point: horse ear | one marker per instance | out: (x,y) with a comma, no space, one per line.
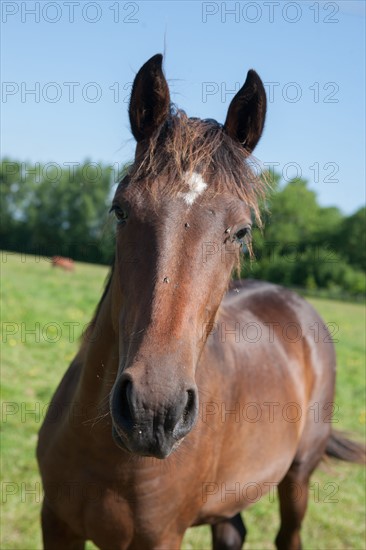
(247,112)
(150,99)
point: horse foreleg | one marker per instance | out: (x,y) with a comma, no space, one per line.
(229,534)
(57,535)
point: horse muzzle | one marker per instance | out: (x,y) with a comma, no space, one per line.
(149,422)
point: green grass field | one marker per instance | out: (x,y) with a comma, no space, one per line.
(38,343)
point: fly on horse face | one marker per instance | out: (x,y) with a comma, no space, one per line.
(173,413)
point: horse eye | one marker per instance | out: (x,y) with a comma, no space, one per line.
(121,214)
(242,234)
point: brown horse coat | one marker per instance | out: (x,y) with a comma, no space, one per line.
(186,403)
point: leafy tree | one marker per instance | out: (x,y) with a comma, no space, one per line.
(308,246)
(351,239)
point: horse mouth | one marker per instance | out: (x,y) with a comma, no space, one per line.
(151,450)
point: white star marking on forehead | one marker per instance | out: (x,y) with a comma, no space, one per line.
(196,186)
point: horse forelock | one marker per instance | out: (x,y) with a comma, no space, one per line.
(184,147)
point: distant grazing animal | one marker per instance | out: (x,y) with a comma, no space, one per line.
(64,263)
(188,401)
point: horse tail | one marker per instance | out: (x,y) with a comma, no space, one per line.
(339,446)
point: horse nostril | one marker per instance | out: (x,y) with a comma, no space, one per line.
(190,406)
(188,417)
(125,415)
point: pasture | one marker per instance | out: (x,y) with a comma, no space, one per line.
(44,313)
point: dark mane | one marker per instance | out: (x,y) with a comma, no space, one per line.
(186,145)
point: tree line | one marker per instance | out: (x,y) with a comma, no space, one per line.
(50,210)
(306,245)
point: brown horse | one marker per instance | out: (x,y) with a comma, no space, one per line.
(67,264)
(129,457)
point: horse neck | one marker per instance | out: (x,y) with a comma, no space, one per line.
(99,353)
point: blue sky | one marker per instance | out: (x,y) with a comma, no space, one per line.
(309,54)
